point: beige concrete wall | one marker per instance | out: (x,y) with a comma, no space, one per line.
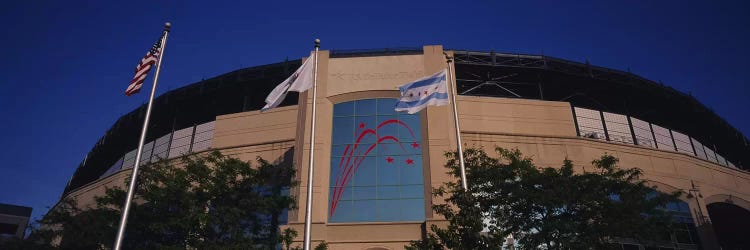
(254,127)
(516,116)
(84,196)
(348,75)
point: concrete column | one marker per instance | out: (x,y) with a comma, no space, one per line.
(703,225)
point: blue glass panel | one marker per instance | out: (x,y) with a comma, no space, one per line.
(412,209)
(411,132)
(411,173)
(388,210)
(284,217)
(336,180)
(412,148)
(335,172)
(381,181)
(386,106)
(344,212)
(345,193)
(389,149)
(412,191)
(364,210)
(343,109)
(673,206)
(614,197)
(341,168)
(344,127)
(363,175)
(339,150)
(388,174)
(684,207)
(365,129)
(364,107)
(364,193)
(387,129)
(388,192)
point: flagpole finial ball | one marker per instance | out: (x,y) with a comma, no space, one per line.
(167,25)
(317,42)
(448,57)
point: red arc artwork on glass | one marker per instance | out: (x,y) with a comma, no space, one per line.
(350,162)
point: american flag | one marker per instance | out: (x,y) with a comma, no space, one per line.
(143,67)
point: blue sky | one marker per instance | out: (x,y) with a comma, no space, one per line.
(66,63)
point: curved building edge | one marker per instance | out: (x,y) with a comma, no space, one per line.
(548,131)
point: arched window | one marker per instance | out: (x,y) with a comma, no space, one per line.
(376,164)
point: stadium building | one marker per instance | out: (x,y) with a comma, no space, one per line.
(374,193)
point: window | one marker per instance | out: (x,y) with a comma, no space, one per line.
(376,164)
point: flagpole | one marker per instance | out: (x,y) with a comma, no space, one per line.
(134,175)
(451,85)
(309,201)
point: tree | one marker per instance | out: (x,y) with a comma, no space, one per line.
(208,201)
(545,208)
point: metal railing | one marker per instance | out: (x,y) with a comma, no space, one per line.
(595,124)
(178,143)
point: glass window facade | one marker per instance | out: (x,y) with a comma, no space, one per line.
(684,234)
(376,164)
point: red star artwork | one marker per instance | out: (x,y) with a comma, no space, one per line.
(409,162)
(361,125)
(389,159)
(415,145)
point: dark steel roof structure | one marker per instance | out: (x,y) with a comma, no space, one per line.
(477,73)
(15,210)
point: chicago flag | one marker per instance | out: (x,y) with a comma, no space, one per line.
(419,94)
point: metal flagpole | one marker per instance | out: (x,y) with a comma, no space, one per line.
(309,201)
(451,85)
(134,176)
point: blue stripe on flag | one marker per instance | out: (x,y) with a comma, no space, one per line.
(425,82)
(436,95)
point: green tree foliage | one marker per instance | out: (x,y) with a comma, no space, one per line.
(287,239)
(209,201)
(545,208)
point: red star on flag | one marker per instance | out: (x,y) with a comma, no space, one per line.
(361,125)
(409,162)
(415,145)
(389,159)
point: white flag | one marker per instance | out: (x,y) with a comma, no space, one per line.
(299,81)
